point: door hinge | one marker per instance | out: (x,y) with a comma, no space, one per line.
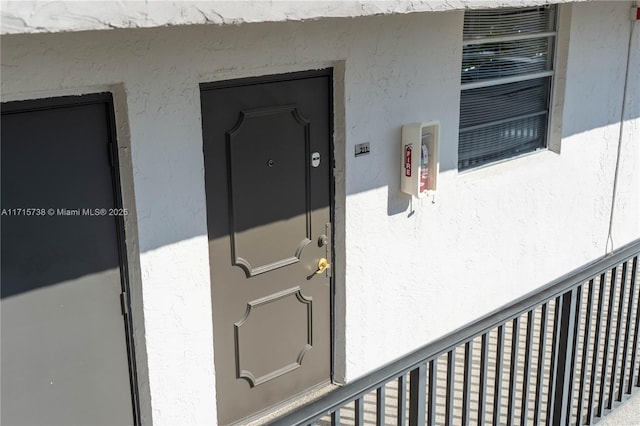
(112,154)
(124,304)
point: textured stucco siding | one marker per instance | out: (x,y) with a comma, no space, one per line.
(407,271)
(22,16)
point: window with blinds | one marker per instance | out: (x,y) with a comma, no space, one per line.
(507,67)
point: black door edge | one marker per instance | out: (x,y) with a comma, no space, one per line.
(271,78)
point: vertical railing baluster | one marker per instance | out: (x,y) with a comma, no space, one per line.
(335,417)
(616,342)
(591,411)
(451,367)
(526,380)
(607,336)
(564,362)
(402,400)
(497,395)
(555,350)
(627,330)
(359,411)
(636,333)
(574,349)
(417,395)
(585,354)
(540,369)
(482,391)
(466,385)
(635,342)
(433,384)
(380,405)
(513,371)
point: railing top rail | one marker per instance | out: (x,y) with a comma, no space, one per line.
(373,380)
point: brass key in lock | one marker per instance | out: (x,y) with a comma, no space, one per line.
(323,264)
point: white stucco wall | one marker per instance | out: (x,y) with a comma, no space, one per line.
(404,278)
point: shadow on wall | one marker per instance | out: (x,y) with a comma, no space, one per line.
(59,220)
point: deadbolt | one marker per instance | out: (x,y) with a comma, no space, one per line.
(315,159)
(322,240)
(323,264)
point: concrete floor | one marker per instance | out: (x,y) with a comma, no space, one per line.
(627,414)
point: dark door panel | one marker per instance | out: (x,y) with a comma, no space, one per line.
(64,348)
(268,205)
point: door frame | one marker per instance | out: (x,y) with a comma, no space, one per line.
(325,71)
(105,99)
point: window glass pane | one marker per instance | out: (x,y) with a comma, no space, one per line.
(495,60)
(502,22)
(499,120)
(494,103)
(500,141)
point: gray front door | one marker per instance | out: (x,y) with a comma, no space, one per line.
(64,345)
(267,149)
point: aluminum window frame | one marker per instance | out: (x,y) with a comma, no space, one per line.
(558,18)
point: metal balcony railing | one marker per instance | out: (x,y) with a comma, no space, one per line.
(565,354)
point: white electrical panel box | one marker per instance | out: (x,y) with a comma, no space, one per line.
(420,164)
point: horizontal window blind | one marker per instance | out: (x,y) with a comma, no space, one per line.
(498,141)
(506,75)
(493,60)
(499,22)
(488,104)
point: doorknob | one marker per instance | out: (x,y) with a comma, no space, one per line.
(323,264)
